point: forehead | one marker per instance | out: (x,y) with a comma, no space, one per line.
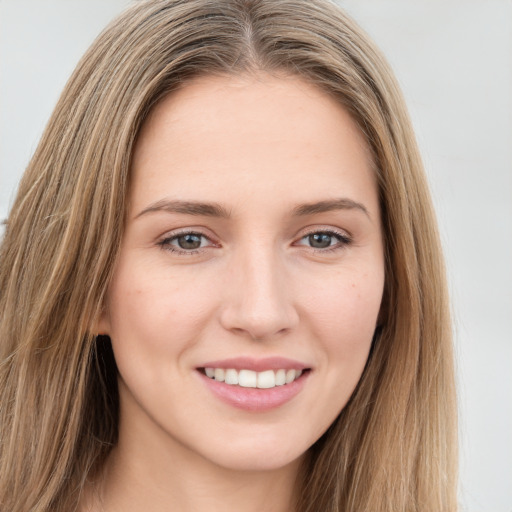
(255,132)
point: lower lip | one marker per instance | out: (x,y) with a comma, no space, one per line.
(255,399)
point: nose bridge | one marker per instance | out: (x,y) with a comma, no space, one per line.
(260,301)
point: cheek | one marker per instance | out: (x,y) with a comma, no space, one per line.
(346,308)
(148,309)
(341,321)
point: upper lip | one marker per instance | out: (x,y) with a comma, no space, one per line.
(257,365)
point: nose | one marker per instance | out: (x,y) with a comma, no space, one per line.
(258,296)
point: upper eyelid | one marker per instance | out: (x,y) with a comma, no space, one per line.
(301,234)
(342,239)
(178,235)
(185,231)
(325,229)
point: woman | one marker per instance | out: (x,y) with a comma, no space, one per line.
(221,281)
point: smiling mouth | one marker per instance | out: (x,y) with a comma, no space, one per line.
(252,379)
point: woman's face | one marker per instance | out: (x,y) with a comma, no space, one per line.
(253,252)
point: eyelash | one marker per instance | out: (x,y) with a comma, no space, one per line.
(165,243)
(344,240)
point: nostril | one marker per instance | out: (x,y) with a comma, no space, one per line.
(259,328)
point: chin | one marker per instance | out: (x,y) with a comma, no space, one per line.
(258,462)
(257,455)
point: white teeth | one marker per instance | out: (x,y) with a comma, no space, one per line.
(251,379)
(231,377)
(267,379)
(280,377)
(290,376)
(247,379)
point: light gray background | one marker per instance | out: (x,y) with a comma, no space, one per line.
(453,59)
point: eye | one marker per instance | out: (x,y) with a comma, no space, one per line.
(188,242)
(325,240)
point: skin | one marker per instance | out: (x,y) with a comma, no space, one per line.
(259,286)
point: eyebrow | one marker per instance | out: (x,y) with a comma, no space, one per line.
(329,205)
(216,210)
(187,208)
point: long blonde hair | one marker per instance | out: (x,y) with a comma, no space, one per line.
(393,448)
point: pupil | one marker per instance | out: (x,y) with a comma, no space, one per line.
(189,241)
(320,240)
